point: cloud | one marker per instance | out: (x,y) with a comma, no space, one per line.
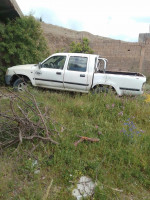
(48,16)
(116,19)
(142,19)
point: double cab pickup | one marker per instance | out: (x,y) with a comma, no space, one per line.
(75,72)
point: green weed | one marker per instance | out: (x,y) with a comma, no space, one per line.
(118,163)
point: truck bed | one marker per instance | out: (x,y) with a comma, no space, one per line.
(122,73)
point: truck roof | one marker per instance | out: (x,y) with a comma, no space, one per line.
(76,54)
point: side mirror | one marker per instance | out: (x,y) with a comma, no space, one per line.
(40,65)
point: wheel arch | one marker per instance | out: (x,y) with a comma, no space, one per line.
(17,76)
(114,88)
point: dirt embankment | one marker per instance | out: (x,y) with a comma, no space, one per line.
(60,38)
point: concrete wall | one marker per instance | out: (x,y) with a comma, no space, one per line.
(125,56)
(121,56)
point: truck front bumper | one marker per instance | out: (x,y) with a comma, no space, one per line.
(7,79)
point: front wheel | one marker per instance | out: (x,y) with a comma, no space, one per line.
(20,85)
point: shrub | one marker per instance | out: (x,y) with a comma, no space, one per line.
(21,42)
(81,47)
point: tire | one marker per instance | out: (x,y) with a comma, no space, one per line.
(97,90)
(103,89)
(20,85)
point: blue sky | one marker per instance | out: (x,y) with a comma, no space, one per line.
(121,20)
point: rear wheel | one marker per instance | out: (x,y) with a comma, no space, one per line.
(103,89)
(20,85)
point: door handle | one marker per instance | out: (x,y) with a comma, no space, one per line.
(82,75)
(59,73)
(38,73)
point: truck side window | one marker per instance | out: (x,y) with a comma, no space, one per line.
(77,63)
(55,62)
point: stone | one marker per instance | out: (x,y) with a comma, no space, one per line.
(85,188)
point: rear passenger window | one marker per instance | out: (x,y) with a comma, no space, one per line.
(77,63)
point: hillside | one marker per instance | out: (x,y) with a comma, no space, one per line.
(59,37)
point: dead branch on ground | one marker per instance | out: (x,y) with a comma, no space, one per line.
(23,120)
(83,138)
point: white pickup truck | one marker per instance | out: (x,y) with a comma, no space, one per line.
(75,72)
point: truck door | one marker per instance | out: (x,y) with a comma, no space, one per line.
(51,72)
(76,73)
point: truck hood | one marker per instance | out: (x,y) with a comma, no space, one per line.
(22,67)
